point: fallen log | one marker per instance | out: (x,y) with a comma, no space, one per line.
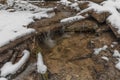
(16,42)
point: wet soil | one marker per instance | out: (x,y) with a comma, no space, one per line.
(73,59)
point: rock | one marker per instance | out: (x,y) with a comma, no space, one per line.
(97,1)
(63,8)
(114,30)
(100,17)
(5,57)
(103,28)
(84,25)
(2,1)
(68,77)
(83,5)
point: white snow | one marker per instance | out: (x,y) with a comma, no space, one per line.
(41,67)
(98,50)
(3,6)
(113,44)
(75,6)
(105,58)
(10,2)
(117,56)
(72,19)
(3,79)
(118,65)
(13,25)
(65,2)
(9,68)
(116,53)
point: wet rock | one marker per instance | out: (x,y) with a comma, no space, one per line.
(114,30)
(103,28)
(46,4)
(84,25)
(2,1)
(83,5)
(4,57)
(100,17)
(51,28)
(97,1)
(63,8)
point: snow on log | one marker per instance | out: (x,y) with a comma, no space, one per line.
(9,68)
(72,19)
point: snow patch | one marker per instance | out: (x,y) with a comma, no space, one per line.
(105,58)
(10,3)
(117,56)
(72,19)
(41,67)
(118,65)
(113,44)
(116,53)
(98,50)
(65,2)
(75,6)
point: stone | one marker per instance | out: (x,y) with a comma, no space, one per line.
(2,1)
(100,17)
(83,5)
(84,25)
(97,1)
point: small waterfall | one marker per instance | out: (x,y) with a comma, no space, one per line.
(48,40)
